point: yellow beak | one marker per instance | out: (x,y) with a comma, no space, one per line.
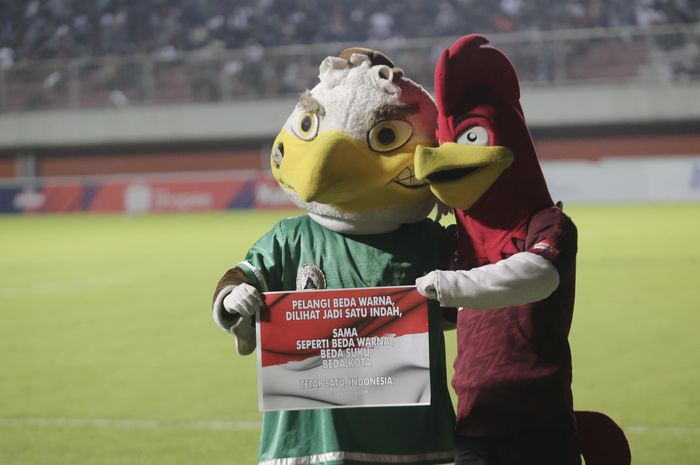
(335,168)
(460,174)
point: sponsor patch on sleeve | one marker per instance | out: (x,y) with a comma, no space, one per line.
(546,246)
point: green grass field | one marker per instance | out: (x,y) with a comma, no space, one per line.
(108,354)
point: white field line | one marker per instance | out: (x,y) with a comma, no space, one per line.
(132,424)
(677,430)
(245,425)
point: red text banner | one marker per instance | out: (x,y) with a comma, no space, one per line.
(343,348)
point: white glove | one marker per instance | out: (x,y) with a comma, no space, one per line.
(234,310)
(244,300)
(427,285)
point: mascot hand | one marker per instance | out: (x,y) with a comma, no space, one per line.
(244,332)
(243,300)
(427,285)
(234,311)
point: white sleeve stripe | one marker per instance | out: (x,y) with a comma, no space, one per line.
(256,272)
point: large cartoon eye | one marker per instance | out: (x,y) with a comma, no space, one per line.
(475,135)
(389,135)
(306,126)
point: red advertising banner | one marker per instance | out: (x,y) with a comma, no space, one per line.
(138,194)
(343,348)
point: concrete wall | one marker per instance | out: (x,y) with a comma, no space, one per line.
(545,107)
(623,180)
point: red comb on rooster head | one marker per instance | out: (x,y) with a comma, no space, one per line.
(471,63)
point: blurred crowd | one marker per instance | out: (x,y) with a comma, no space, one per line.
(44,29)
(149,37)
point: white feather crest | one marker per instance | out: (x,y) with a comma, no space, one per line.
(333,71)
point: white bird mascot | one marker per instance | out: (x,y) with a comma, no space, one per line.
(345,155)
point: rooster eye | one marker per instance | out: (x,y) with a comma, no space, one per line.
(306,126)
(386,136)
(475,135)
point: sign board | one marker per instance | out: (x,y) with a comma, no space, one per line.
(339,348)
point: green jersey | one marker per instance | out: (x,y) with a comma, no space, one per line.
(298,253)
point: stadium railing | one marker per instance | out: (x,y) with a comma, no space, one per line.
(661,54)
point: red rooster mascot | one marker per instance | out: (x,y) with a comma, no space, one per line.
(514,272)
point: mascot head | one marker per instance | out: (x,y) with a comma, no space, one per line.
(486,164)
(346,152)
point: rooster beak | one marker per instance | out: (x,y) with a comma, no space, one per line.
(460,174)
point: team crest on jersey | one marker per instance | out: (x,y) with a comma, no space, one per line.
(310,277)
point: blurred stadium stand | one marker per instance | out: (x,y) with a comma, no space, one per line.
(112,87)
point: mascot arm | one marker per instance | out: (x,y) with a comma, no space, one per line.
(520,279)
(236,301)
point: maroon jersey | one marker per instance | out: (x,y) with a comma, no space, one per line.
(513,365)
